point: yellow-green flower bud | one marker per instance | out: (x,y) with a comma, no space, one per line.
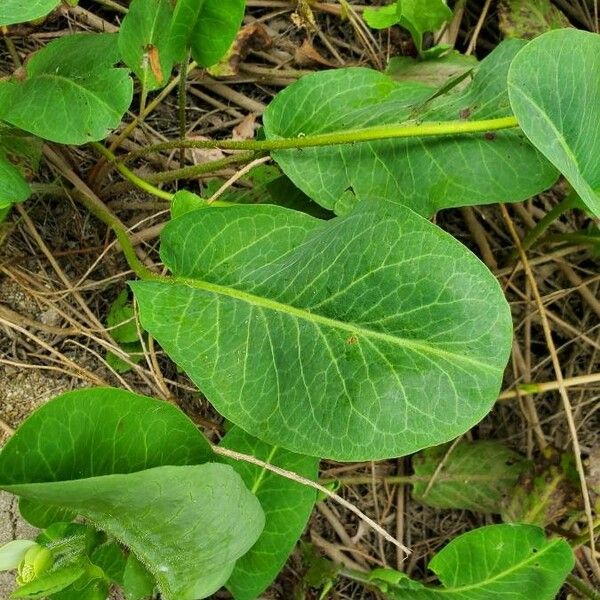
(37,561)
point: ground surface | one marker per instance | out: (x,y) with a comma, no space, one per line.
(55,293)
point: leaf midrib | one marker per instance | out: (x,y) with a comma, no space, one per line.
(351,328)
(520,565)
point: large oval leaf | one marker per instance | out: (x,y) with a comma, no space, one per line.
(499,561)
(554,86)
(131,466)
(363,337)
(426,174)
(72,94)
(20,11)
(287,506)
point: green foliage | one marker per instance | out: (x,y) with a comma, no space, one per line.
(99,453)
(426,174)
(478,476)
(433,72)
(13,187)
(499,561)
(418,16)
(144,41)
(72,94)
(554,86)
(20,11)
(137,582)
(333,332)
(123,328)
(287,506)
(527,19)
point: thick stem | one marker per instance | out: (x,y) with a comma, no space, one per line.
(583,588)
(351,136)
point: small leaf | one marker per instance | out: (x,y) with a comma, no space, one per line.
(144,41)
(417,16)
(89,589)
(13,187)
(382,17)
(137,582)
(19,11)
(554,87)
(121,320)
(12,554)
(527,19)
(287,506)
(425,174)
(72,94)
(331,338)
(499,561)
(110,557)
(477,476)
(215,30)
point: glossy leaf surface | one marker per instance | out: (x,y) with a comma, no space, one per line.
(554,85)
(287,506)
(363,337)
(426,174)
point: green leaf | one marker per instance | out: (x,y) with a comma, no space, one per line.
(144,41)
(554,86)
(121,320)
(382,17)
(21,11)
(215,30)
(12,554)
(499,561)
(110,557)
(42,516)
(65,455)
(477,476)
(50,583)
(363,337)
(71,94)
(418,16)
(287,506)
(426,174)
(137,582)
(185,17)
(527,19)
(87,433)
(433,72)
(157,514)
(89,589)
(184,202)
(13,187)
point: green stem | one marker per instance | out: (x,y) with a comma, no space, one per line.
(351,136)
(102,212)
(583,588)
(202,169)
(533,235)
(182,98)
(130,175)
